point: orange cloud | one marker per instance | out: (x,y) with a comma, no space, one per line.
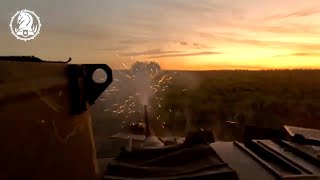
(305,54)
(300,13)
(186,54)
(149,52)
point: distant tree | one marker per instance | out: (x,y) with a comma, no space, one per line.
(148,67)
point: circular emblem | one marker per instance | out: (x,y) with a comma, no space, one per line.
(25,25)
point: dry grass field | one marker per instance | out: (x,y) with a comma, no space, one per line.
(210,98)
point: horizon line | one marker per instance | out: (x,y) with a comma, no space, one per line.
(270,69)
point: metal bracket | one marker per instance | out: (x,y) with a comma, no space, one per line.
(83,89)
(92,89)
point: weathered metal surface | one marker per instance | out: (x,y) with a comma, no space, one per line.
(256,159)
(267,160)
(40,136)
(306,132)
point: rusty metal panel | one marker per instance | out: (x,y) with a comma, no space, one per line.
(44,134)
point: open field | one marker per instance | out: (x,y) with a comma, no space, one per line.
(210,98)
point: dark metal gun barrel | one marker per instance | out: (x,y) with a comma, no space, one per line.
(147,123)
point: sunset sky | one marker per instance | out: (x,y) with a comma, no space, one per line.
(178,34)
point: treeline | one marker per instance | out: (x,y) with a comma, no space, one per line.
(244,97)
(208,99)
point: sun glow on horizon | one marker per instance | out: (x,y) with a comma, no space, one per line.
(181,35)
